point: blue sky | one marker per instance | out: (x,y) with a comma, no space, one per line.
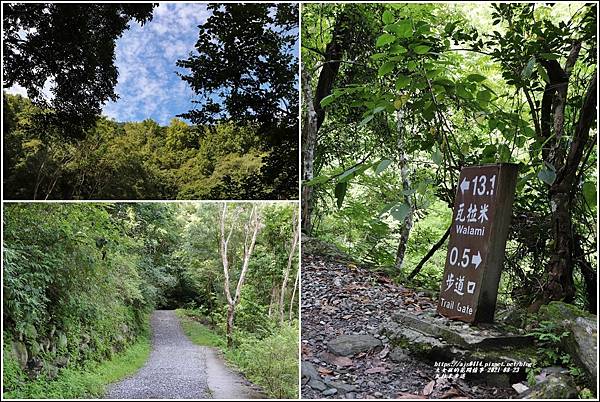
(148,86)
(145,57)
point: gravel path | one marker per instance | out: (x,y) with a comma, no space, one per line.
(179,369)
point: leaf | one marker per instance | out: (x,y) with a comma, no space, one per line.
(382,166)
(407,395)
(325,371)
(386,68)
(398,49)
(462,91)
(400,211)
(327,100)
(526,73)
(402,82)
(404,29)
(542,72)
(589,193)
(550,56)
(476,78)
(378,56)
(340,192)
(342,361)
(421,49)
(428,389)
(388,17)
(385,39)
(365,120)
(484,96)
(346,175)
(547,174)
(437,157)
(401,101)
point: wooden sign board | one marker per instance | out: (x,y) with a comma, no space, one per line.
(480,223)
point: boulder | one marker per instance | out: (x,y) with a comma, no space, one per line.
(582,345)
(555,386)
(347,345)
(19,351)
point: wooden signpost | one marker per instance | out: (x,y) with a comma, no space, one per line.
(480,223)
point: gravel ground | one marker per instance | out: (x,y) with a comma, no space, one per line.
(176,368)
(341,298)
(179,369)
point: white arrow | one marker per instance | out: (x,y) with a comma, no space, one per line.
(465,185)
(476,260)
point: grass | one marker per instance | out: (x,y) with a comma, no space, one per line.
(86,382)
(199,333)
(271,362)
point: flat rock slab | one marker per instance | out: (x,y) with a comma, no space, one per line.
(348,345)
(463,335)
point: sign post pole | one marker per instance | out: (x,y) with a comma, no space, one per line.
(480,223)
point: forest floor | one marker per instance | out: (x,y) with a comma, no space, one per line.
(179,369)
(341,298)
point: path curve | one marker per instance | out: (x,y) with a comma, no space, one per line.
(179,369)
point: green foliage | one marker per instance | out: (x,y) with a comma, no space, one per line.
(254,45)
(549,335)
(135,160)
(271,362)
(89,381)
(49,42)
(269,359)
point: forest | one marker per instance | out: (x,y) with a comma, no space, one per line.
(398,98)
(81,279)
(238,140)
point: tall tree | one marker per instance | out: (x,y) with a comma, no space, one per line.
(68,49)
(288,268)
(251,230)
(246,71)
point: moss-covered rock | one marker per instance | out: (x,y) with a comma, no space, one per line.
(559,386)
(560,311)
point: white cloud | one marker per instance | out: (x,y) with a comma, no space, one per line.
(145,56)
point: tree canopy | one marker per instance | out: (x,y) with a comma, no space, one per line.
(399,97)
(50,47)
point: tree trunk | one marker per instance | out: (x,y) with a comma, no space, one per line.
(309,139)
(315,115)
(286,272)
(405,177)
(250,234)
(230,317)
(294,294)
(560,284)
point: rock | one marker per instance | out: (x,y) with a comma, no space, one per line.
(397,355)
(19,351)
(517,317)
(347,345)
(520,388)
(61,361)
(582,345)
(309,371)
(330,391)
(560,311)
(556,386)
(51,372)
(317,385)
(343,388)
(377,394)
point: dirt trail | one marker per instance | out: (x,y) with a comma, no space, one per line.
(179,369)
